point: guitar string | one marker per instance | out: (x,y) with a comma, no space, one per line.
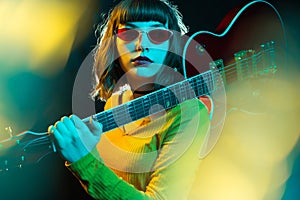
(178,90)
(46,139)
(37,141)
(268,51)
(113,124)
(243,67)
(230,69)
(258,57)
(120,112)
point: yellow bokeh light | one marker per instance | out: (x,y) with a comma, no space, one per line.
(38,35)
(250,160)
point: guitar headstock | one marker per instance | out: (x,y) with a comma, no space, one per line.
(24,148)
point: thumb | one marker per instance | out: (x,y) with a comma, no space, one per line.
(95,127)
(79,124)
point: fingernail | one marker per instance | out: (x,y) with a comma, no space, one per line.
(51,129)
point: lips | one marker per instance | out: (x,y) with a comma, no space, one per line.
(141,60)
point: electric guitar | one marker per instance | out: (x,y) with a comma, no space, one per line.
(247,46)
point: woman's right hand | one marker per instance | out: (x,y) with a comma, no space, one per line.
(73,138)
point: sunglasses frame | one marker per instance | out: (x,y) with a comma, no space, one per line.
(147,33)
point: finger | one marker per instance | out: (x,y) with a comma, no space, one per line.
(69,124)
(95,127)
(60,126)
(78,123)
(59,140)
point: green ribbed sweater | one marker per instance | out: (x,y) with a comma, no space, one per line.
(156,160)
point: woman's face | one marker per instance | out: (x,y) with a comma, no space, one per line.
(142,47)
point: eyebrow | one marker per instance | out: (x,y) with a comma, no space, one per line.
(134,26)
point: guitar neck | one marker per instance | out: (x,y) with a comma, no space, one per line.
(168,97)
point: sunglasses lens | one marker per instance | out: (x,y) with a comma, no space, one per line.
(158,36)
(127,34)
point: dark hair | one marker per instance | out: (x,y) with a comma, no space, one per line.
(107,69)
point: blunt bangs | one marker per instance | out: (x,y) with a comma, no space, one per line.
(143,10)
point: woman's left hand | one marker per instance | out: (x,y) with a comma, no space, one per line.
(73,138)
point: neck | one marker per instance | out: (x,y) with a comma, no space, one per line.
(145,89)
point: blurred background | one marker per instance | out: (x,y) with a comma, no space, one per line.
(42,46)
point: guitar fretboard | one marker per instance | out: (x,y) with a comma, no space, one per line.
(163,99)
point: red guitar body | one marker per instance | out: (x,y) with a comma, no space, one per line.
(244,28)
(248,49)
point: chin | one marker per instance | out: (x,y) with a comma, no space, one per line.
(146,73)
(145,76)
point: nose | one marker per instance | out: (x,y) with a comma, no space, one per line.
(143,42)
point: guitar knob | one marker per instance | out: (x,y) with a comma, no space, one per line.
(200,49)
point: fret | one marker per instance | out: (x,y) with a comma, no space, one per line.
(163,99)
(151,99)
(159,97)
(167,97)
(247,62)
(200,88)
(146,104)
(201,85)
(194,86)
(156,98)
(189,90)
(131,110)
(183,91)
(120,115)
(211,80)
(177,92)
(169,92)
(110,122)
(174,99)
(101,117)
(139,109)
(205,84)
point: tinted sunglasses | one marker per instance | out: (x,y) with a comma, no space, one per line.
(156,36)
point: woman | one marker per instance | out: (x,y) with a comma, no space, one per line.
(155,157)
